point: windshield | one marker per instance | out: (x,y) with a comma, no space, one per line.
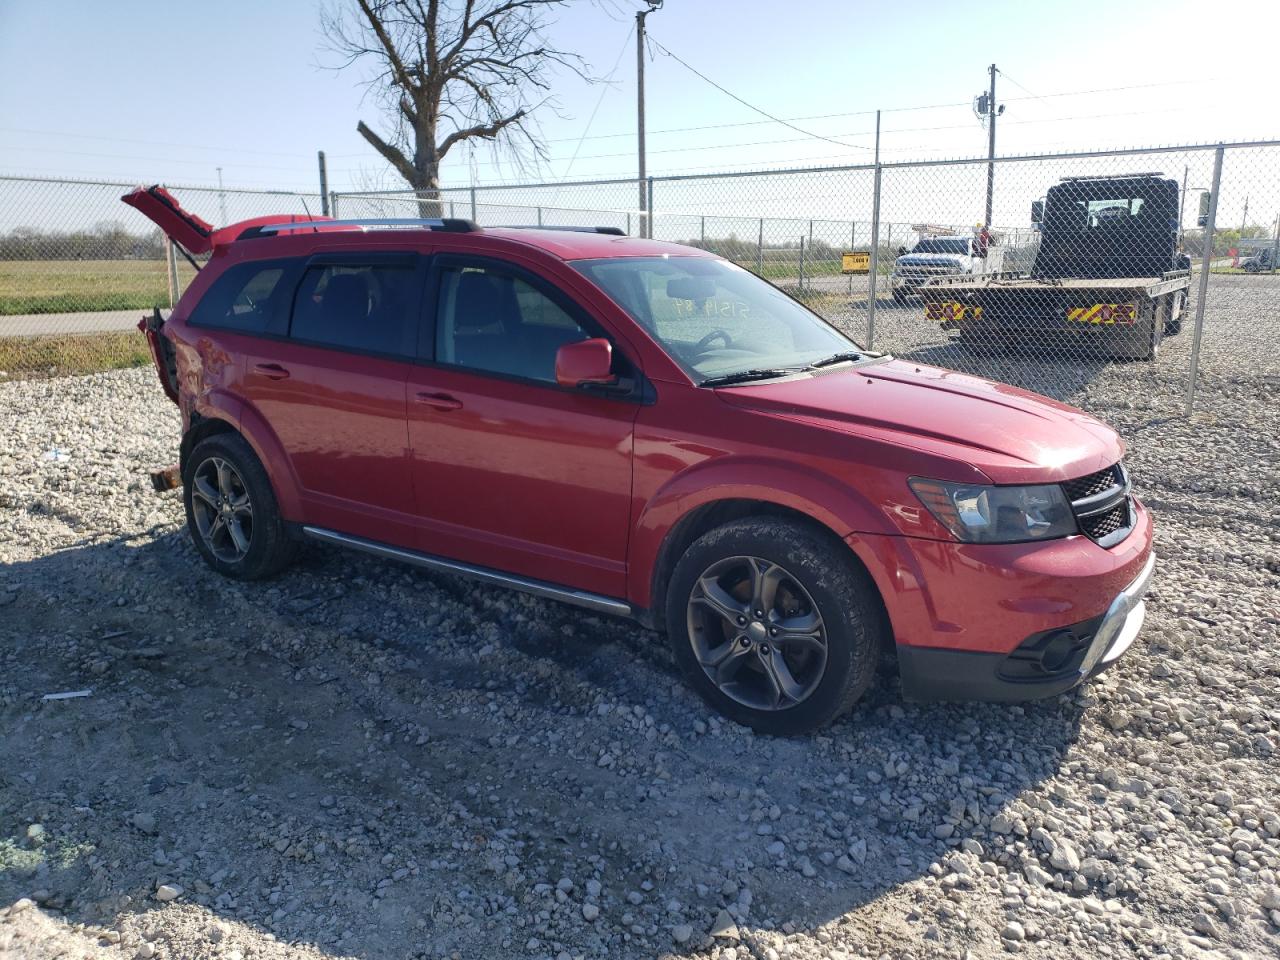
(958,245)
(714,318)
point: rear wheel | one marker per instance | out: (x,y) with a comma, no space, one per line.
(774,624)
(232,512)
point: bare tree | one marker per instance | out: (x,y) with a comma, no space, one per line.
(450,72)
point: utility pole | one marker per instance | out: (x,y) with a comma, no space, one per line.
(646,228)
(222,199)
(324,186)
(992,111)
(1244,220)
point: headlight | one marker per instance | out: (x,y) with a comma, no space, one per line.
(985,514)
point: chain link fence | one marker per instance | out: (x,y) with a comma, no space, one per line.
(78,268)
(1091,261)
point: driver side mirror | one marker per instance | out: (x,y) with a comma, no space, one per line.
(902,251)
(584,362)
(1037,211)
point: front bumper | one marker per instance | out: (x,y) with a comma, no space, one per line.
(1045,664)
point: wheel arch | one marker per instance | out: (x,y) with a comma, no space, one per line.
(716,513)
(211,420)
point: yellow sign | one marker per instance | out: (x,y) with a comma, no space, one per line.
(857,262)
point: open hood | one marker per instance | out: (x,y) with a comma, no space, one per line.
(192,233)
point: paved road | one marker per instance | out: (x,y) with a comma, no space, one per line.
(43,324)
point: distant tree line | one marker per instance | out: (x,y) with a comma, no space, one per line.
(1224,240)
(104,241)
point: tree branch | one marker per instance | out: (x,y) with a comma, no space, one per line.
(485,131)
(393,155)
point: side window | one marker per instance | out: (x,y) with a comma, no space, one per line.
(244,298)
(491,320)
(357,307)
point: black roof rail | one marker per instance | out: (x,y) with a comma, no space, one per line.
(445,224)
(610,231)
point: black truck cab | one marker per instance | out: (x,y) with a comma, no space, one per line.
(1105,227)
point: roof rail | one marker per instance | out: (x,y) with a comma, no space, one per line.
(446,224)
(609,231)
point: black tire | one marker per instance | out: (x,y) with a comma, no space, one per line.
(844,598)
(269,548)
(900,295)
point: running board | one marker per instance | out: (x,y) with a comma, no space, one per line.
(539,588)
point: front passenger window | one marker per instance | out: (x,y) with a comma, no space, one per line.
(492,321)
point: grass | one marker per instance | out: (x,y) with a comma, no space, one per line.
(73,286)
(70,354)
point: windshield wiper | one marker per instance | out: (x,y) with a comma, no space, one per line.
(743,376)
(836,358)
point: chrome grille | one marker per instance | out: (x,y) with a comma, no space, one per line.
(1102,504)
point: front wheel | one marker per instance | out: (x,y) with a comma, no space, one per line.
(774,624)
(232,512)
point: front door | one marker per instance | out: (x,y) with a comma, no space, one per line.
(510,470)
(334,392)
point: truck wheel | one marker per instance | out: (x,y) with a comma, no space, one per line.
(232,511)
(900,295)
(773,624)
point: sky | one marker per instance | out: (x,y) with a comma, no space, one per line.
(136,91)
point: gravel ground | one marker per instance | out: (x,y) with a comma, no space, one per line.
(359,759)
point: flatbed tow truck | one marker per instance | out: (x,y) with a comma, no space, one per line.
(1107,275)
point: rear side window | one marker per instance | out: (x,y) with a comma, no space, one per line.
(244,298)
(361,307)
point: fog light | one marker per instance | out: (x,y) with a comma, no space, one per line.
(1057,652)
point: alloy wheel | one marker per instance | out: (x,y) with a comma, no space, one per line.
(757,633)
(222,509)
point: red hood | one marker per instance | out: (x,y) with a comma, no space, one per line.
(1009,434)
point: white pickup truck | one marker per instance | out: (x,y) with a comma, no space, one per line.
(933,257)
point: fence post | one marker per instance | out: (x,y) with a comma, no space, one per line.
(473,205)
(760,250)
(171,267)
(333,204)
(802,263)
(539,216)
(875,259)
(1206,257)
(649,234)
(1275,245)
(704,231)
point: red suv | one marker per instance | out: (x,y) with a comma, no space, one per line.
(646,430)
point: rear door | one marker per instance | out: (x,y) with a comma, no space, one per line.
(510,470)
(333,390)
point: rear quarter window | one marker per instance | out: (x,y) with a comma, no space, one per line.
(244,298)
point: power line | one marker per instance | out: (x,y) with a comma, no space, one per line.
(148,143)
(599,100)
(751,106)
